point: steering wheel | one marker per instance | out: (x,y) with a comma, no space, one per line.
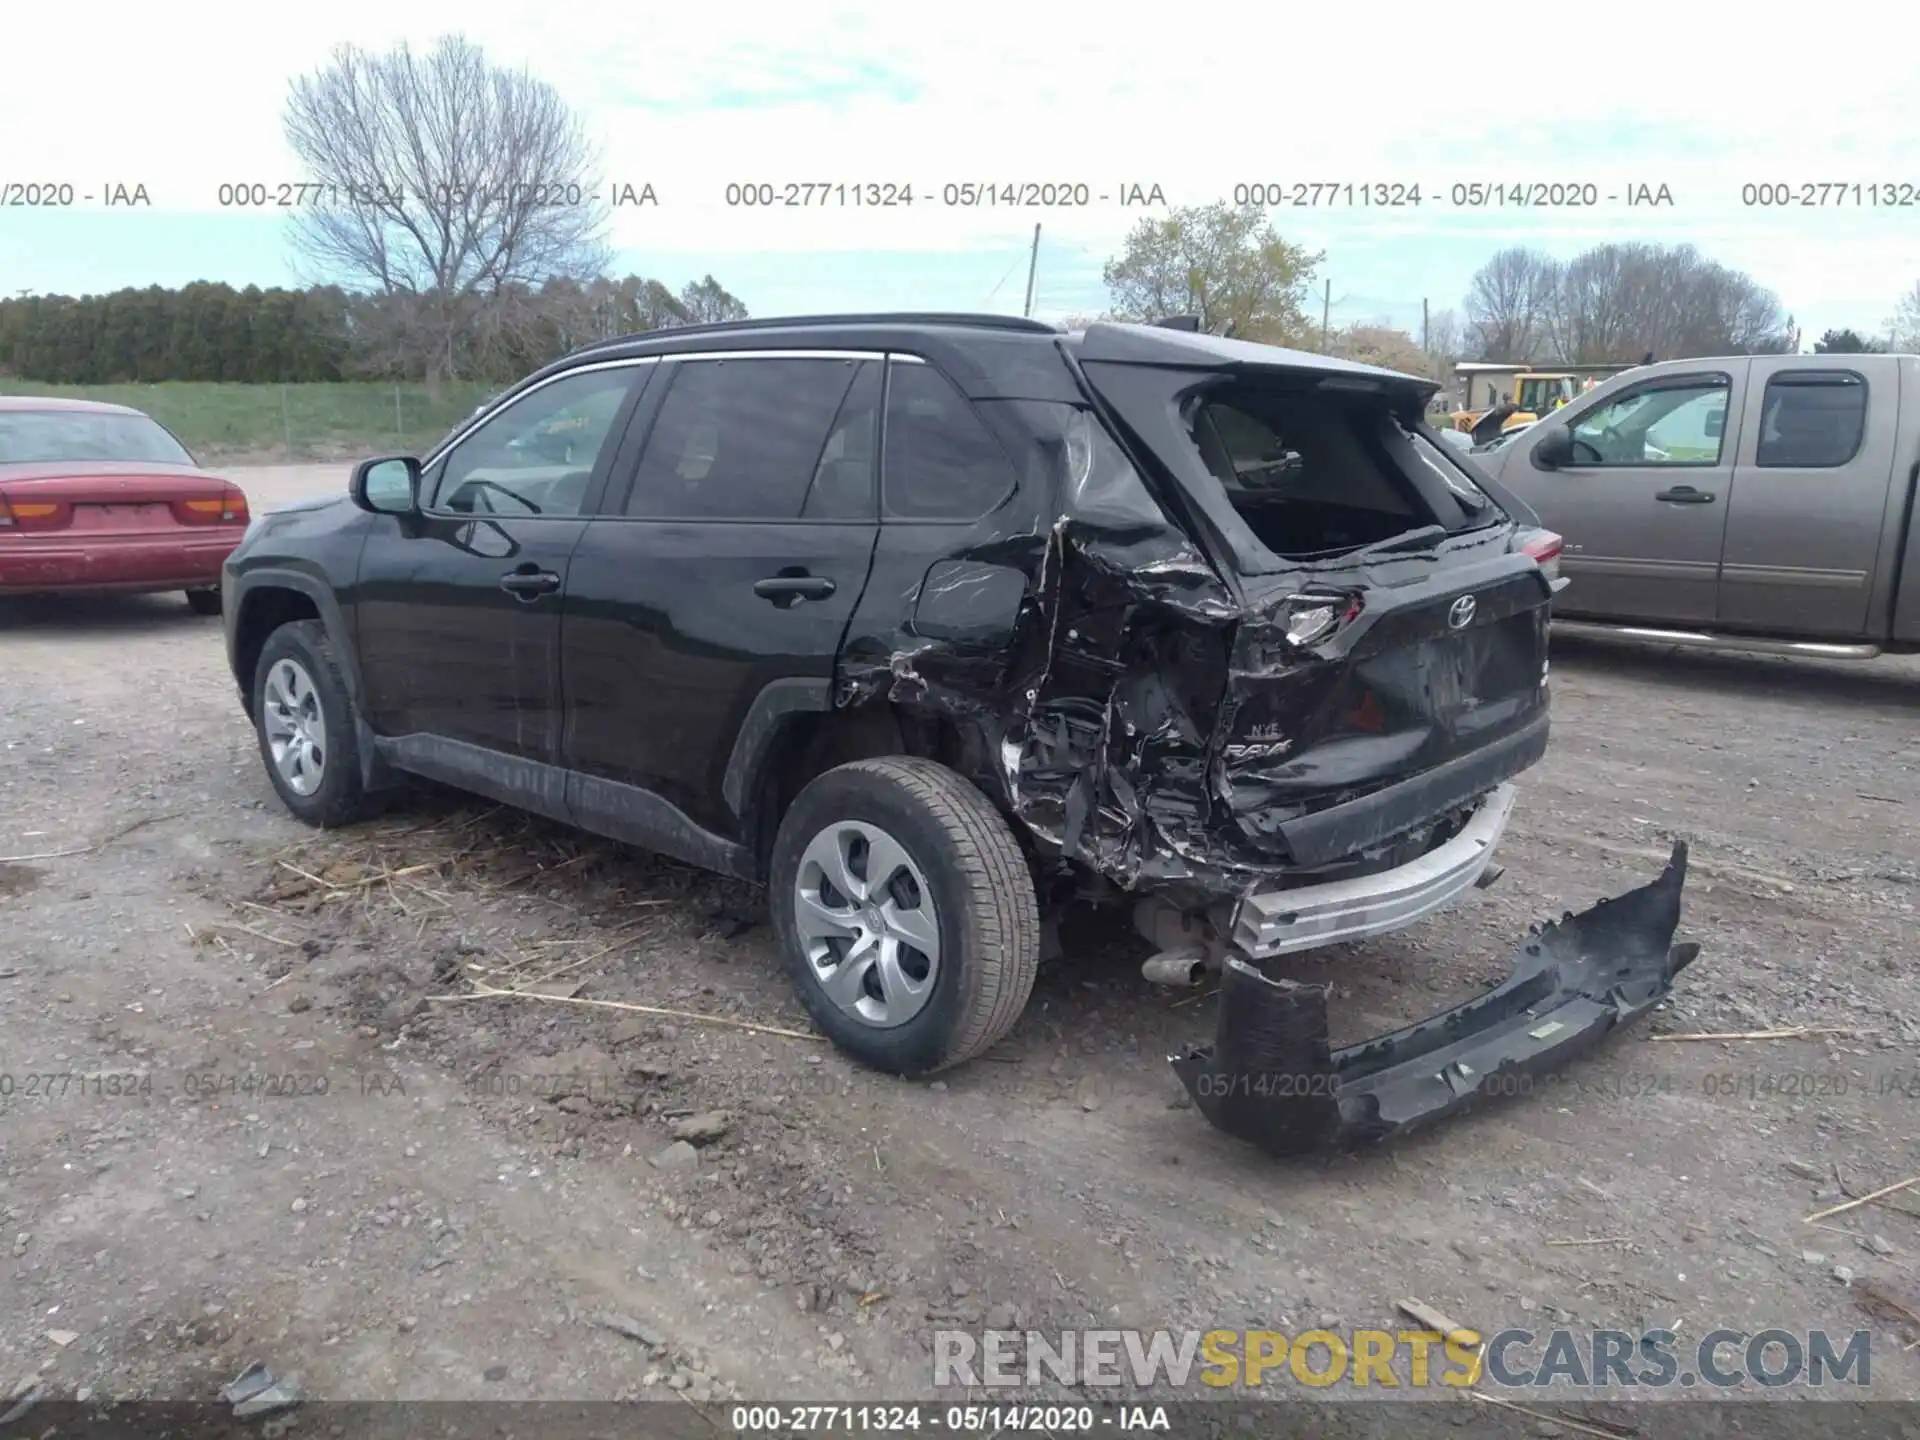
(513,495)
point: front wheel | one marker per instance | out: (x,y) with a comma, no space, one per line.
(304,718)
(906,913)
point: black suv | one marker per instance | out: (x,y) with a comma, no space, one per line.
(932,623)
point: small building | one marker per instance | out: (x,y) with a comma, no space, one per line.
(1483,384)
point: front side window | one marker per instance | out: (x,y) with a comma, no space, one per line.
(537,456)
(1679,423)
(1812,420)
(45,436)
(745,439)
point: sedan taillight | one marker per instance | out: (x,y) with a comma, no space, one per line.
(228,509)
(19,515)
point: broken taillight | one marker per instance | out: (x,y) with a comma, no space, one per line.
(1311,618)
(1544,546)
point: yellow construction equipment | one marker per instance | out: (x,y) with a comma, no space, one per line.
(1535,393)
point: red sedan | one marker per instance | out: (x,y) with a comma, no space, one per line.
(97,498)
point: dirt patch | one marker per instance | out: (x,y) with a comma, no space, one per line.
(329,1149)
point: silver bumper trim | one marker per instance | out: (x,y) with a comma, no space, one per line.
(1280,922)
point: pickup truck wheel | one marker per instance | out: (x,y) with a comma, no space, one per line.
(906,913)
(305,724)
(204,602)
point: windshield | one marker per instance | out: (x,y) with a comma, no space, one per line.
(39,436)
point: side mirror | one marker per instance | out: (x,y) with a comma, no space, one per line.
(1555,449)
(1716,424)
(387,486)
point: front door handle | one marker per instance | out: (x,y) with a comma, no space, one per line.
(786,591)
(529,584)
(1685,495)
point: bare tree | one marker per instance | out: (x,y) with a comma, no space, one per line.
(1617,302)
(1445,341)
(1509,304)
(444,179)
(1905,324)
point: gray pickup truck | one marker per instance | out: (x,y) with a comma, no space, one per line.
(1750,503)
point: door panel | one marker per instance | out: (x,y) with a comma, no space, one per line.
(445,649)
(1642,507)
(742,540)
(1809,497)
(457,609)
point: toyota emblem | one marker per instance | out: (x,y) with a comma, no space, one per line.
(1460,613)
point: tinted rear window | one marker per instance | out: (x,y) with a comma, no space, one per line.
(739,439)
(52,436)
(1812,419)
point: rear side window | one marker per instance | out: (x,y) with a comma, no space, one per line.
(739,439)
(845,477)
(941,463)
(1812,419)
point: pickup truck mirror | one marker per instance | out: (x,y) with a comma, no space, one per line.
(387,486)
(1716,424)
(1555,448)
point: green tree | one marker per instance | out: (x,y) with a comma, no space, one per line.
(707,302)
(1225,264)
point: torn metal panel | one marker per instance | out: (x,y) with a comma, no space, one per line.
(1272,1078)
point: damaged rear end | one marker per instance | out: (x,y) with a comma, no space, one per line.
(1289,656)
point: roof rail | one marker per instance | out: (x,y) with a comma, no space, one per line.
(790,322)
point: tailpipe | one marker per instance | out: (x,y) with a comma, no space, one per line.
(1177,969)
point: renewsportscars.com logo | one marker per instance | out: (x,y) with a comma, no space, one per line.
(1722,1359)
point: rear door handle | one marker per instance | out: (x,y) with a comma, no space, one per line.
(530,584)
(786,591)
(1685,495)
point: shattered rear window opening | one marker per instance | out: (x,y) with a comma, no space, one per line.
(1314,477)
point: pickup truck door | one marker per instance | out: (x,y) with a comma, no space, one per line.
(1807,507)
(1642,505)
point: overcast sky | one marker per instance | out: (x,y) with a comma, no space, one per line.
(1193,99)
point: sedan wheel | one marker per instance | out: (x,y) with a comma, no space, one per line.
(295,728)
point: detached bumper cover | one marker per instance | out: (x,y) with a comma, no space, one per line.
(1271,1077)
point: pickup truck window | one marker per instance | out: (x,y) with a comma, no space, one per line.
(1812,420)
(1672,423)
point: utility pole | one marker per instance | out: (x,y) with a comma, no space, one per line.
(1033,265)
(1326,311)
(1426,328)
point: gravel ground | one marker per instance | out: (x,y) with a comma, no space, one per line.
(285,1148)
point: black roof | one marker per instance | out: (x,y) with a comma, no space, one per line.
(995,355)
(941,318)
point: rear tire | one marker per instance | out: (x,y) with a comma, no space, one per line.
(204,602)
(305,723)
(936,958)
